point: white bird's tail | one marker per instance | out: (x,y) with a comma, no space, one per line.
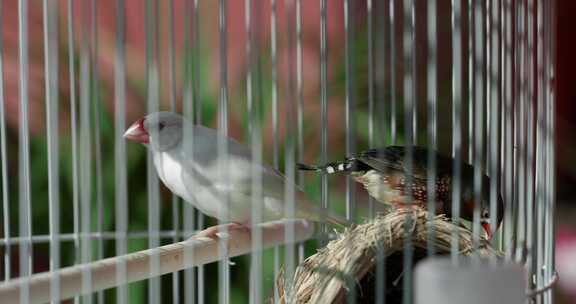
(337,220)
(308,211)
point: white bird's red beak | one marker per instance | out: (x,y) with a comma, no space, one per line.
(137,133)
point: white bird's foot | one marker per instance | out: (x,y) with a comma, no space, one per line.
(239,227)
(210,232)
(215,232)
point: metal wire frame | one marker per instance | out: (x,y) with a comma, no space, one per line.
(384,63)
(51,82)
(85,171)
(456,119)
(409,84)
(508,84)
(192,109)
(120,173)
(290,141)
(24,203)
(151,18)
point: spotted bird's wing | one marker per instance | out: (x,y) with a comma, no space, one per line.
(392,159)
(389,160)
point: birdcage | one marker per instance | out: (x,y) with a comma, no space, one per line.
(90,216)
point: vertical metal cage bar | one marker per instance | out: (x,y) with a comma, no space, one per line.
(527,248)
(413,66)
(479,102)
(531,225)
(152,105)
(224,269)
(85,156)
(24,202)
(299,93)
(409,89)
(274,78)
(487,54)
(550,158)
(196,79)
(392,69)
(489,118)
(171,73)
(509,137)
(274,118)
(515,126)
(4,162)
(350,103)
(253,95)
(289,161)
(172,100)
(432,114)
(383,137)
(531,102)
(74,108)
(73,132)
(541,149)
(188,99)
(371,87)
(381,108)
(324,112)
(96,104)
(551,236)
(197,104)
(120,170)
(543,191)
(494,103)
(299,109)
(521,131)
(249,66)
(550,13)
(501,188)
(469,93)
(350,116)
(456,122)
(192,286)
(188,108)
(175,202)
(50,18)
(514,95)
(25,209)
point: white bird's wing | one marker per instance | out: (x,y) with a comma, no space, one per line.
(274,186)
(204,163)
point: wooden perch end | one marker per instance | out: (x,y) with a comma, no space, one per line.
(349,262)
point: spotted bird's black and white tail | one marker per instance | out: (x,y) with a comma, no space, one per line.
(347,165)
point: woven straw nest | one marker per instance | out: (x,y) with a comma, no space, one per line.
(350,260)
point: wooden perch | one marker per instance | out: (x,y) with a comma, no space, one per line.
(103,274)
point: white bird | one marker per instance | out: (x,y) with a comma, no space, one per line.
(193,170)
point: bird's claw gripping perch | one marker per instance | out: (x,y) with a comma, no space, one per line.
(219,231)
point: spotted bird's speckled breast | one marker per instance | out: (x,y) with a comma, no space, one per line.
(390,189)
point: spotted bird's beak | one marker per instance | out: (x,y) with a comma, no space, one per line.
(488,230)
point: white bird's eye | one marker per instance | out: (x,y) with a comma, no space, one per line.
(485,214)
(161,126)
